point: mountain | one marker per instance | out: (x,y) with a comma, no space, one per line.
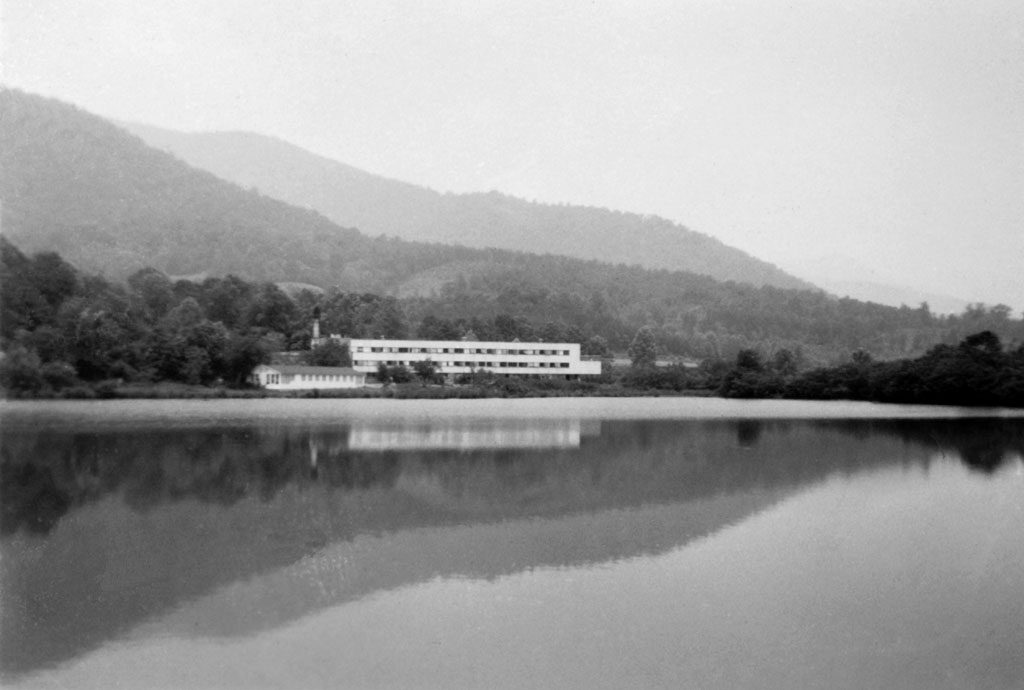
(77,184)
(846,276)
(381,206)
(894,295)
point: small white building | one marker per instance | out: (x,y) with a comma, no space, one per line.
(289,377)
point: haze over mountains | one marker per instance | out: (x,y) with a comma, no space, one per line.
(380,206)
(77,184)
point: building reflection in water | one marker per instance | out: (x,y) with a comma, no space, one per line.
(226,530)
(556,433)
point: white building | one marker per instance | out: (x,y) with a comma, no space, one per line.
(453,357)
(287,377)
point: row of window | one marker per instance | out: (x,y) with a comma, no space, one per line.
(458,350)
(325,378)
(271,379)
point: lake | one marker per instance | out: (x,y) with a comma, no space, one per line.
(551,543)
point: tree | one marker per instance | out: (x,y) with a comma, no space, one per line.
(227,299)
(784,362)
(596,346)
(400,374)
(242,354)
(55,279)
(643,350)
(551,332)
(272,309)
(187,314)
(155,289)
(505,327)
(330,354)
(20,371)
(985,343)
(425,369)
(387,321)
(749,360)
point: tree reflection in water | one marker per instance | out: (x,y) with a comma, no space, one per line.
(216,505)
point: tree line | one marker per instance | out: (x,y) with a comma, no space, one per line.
(979,371)
(61,329)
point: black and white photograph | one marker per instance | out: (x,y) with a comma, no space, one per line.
(506,344)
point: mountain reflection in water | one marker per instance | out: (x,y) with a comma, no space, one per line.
(223,531)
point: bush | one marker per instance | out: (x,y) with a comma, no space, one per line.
(21,372)
(106,389)
(78,393)
(59,375)
(659,378)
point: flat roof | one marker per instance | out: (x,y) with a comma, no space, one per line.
(503,344)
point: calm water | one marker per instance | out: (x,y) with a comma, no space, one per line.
(519,544)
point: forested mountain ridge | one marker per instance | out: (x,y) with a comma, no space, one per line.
(378,205)
(74,183)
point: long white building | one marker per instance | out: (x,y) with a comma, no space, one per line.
(454,357)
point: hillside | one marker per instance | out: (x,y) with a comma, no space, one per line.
(377,205)
(74,183)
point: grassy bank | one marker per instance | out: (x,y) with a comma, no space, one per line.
(413,391)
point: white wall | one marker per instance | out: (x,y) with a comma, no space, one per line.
(560,358)
(265,377)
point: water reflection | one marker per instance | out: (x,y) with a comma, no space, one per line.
(474,434)
(225,531)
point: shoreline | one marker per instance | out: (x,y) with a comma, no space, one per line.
(176,391)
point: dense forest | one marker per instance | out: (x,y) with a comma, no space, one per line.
(62,330)
(80,186)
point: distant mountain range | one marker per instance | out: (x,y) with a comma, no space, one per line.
(381,206)
(378,205)
(80,185)
(843,275)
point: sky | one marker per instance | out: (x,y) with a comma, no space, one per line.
(857,140)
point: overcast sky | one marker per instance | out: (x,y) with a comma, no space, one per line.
(887,135)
